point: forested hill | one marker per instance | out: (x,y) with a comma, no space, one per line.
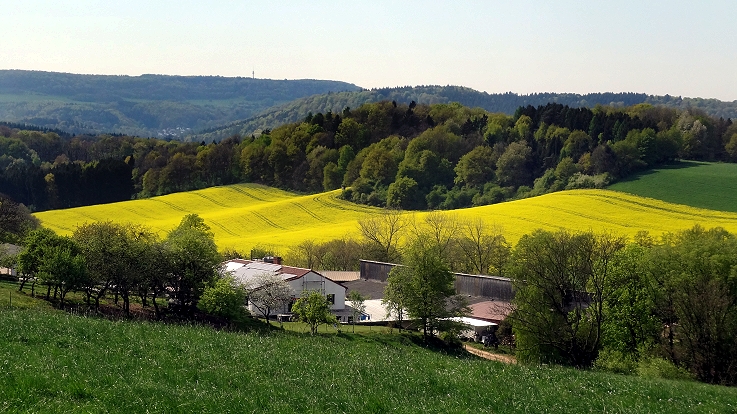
(146,105)
(505,103)
(410,156)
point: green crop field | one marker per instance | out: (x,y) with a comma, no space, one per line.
(246,215)
(54,362)
(698,184)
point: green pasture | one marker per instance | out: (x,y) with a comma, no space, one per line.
(711,186)
(54,362)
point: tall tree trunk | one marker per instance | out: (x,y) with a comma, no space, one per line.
(157,313)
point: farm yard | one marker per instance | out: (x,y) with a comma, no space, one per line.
(246,215)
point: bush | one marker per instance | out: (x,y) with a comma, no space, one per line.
(615,361)
(661,368)
(580,180)
(223,299)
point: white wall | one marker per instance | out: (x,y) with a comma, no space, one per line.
(314,281)
(311,281)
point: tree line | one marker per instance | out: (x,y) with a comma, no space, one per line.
(668,304)
(408,156)
(107,259)
(506,103)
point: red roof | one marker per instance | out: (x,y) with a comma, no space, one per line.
(491,310)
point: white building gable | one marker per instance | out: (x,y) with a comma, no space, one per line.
(300,280)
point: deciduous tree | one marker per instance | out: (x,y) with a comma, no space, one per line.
(561,280)
(358,305)
(269,292)
(383,233)
(424,287)
(313,309)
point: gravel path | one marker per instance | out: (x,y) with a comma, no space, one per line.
(507,359)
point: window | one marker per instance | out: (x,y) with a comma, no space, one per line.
(331,298)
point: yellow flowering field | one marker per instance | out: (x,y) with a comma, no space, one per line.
(241,216)
(246,215)
(600,211)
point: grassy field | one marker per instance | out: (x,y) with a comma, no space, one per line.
(698,184)
(10,297)
(246,215)
(58,363)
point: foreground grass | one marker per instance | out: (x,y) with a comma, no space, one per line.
(698,184)
(246,215)
(55,362)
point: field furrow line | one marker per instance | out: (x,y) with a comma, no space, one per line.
(310,213)
(212,200)
(247,193)
(225,229)
(267,221)
(646,207)
(171,205)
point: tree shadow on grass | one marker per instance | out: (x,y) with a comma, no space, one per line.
(676,165)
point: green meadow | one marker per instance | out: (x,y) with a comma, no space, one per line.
(53,362)
(705,185)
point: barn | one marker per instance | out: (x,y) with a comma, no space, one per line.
(300,280)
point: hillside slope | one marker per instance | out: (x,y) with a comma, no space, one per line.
(146,105)
(246,215)
(698,184)
(55,362)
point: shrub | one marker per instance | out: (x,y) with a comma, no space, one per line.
(615,361)
(224,299)
(661,368)
(580,180)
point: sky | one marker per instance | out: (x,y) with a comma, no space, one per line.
(681,48)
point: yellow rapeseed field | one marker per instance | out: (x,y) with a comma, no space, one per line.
(246,215)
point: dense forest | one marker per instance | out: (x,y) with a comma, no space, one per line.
(506,103)
(408,156)
(146,105)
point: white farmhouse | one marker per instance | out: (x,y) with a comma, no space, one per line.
(300,280)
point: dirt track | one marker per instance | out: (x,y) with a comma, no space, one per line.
(507,359)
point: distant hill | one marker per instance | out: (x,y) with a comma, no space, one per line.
(146,105)
(504,103)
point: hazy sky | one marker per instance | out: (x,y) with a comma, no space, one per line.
(686,48)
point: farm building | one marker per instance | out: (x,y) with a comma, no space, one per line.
(476,329)
(489,297)
(7,249)
(491,310)
(245,272)
(492,287)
